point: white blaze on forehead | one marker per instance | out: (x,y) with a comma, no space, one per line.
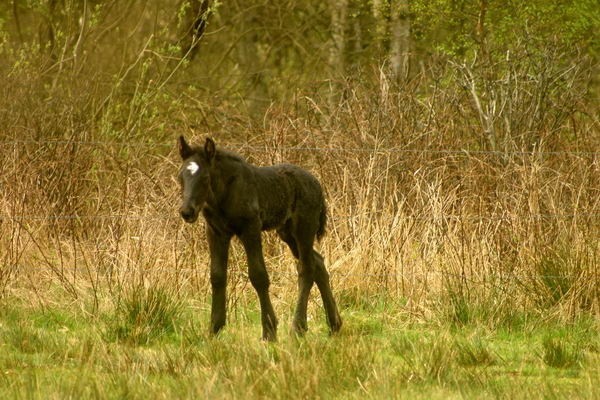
(192,167)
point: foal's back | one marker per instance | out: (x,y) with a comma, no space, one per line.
(287,193)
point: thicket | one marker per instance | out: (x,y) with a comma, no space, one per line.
(457,142)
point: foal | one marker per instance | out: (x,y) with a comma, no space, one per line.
(240,199)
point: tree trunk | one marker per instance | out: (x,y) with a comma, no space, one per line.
(339,13)
(400,39)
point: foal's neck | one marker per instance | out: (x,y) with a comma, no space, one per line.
(225,170)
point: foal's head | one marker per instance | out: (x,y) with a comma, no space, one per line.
(194,177)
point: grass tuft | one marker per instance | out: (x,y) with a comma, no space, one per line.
(473,353)
(560,353)
(144,315)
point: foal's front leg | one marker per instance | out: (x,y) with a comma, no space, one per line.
(251,239)
(219,249)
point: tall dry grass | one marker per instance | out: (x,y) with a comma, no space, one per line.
(473,189)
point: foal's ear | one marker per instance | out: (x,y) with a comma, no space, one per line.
(184,149)
(210,149)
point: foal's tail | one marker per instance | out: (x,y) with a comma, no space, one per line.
(322,222)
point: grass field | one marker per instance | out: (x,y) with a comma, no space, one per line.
(161,350)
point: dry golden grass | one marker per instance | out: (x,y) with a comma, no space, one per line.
(432,221)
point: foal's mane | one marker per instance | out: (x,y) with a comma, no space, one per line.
(229,155)
(222,154)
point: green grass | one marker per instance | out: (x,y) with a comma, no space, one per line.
(143,314)
(59,352)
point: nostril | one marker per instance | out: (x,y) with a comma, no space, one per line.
(186,213)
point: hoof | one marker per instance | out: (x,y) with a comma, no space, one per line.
(269,337)
(299,328)
(335,326)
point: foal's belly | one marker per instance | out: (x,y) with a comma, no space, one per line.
(274,218)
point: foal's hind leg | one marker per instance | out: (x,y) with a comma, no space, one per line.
(305,269)
(318,273)
(306,279)
(322,278)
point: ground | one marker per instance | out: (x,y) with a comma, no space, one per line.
(155,346)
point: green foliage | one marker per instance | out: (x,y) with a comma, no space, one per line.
(256,54)
(459,27)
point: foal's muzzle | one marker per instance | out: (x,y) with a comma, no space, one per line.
(189,214)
